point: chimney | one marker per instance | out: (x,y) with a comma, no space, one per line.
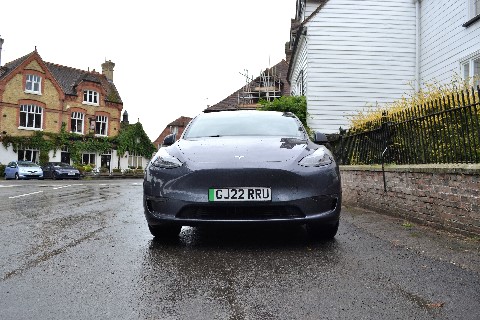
(288,52)
(125,117)
(107,69)
(1,42)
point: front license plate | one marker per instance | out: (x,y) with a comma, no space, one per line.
(239,194)
(71,173)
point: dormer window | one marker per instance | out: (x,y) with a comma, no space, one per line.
(33,84)
(90,97)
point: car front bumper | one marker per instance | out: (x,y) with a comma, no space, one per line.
(307,195)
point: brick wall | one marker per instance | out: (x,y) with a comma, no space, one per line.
(445,197)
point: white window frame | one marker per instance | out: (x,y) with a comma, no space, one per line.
(473,8)
(135,161)
(101,126)
(29,154)
(78,118)
(174,129)
(91,97)
(32,112)
(470,68)
(90,156)
(33,84)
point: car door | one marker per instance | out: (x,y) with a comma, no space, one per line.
(10,170)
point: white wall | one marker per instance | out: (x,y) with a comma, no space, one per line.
(7,155)
(444,42)
(359,53)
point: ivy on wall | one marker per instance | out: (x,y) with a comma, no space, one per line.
(131,138)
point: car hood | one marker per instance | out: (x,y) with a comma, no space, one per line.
(29,169)
(244,149)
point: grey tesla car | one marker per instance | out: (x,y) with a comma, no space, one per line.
(243,167)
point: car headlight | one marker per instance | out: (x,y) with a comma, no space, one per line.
(164,160)
(321,157)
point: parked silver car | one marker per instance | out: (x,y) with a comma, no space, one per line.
(23,170)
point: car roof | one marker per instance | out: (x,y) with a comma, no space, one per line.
(233,113)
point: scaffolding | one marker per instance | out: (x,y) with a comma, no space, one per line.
(267,86)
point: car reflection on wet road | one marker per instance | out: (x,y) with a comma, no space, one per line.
(81,250)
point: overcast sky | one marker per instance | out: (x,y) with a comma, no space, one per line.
(172,58)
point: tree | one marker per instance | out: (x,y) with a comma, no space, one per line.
(294,104)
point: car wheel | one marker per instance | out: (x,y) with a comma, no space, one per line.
(322,231)
(17,177)
(164,230)
(54,176)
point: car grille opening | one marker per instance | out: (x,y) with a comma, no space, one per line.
(240,212)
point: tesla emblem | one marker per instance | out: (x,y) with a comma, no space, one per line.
(239,157)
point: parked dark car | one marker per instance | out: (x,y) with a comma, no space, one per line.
(60,170)
(23,170)
(243,167)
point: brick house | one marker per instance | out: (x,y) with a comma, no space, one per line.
(41,96)
(177,127)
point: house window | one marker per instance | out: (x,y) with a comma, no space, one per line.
(30,116)
(471,70)
(101,123)
(135,161)
(90,97)
(174,129)
(77,122)
(476,7)
(28,154)
(300,90)
(88,158)
(33,84)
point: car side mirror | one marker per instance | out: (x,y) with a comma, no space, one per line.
(169,140)
(320,138)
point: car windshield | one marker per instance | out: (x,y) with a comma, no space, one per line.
(26,164)
(245,123)
(63,165)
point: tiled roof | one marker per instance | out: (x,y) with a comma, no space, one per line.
(68,78)
(10,66)
(231,102)
(181,123)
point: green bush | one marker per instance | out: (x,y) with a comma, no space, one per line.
(2,170)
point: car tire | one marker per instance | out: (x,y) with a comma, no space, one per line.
(164,230)
(322,231)
(17,177)
(55,176)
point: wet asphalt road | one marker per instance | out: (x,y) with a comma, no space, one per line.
(82,250)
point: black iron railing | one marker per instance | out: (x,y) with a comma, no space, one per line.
(445,130)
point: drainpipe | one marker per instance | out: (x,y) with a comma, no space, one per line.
(418,33)
(1,43)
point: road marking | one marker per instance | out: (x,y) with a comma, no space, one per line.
(24,195)
(62,187)
(10,186)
